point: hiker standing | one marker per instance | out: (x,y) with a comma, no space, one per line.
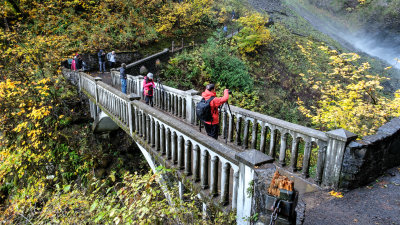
(123,77)
(209,95)
(112,58)
(102,60)
(148,87)
(73,64)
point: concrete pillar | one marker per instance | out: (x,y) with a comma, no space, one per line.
(196,163)
(306,159)
(272,143)
(254,134)
(162,140)
(262,138)
(246,134)
(282,150)
(188,158)
(294,154)
(157,136)
(168,143)
(180,152)
(174,148)
(248,161)
(235,189)
(338,139)
(226,168)
(204,170)
(238,129)
(230,128)
(320,161)
(214,176)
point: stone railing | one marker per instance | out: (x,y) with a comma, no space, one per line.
(212,167)
(251,130)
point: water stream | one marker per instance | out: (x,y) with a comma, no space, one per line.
(383,45)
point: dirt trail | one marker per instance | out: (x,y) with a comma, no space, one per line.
(376,203)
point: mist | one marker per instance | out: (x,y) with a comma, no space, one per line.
(383,45)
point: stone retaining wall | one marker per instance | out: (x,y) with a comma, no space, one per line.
(366,159)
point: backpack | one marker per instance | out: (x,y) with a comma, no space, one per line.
(203,110)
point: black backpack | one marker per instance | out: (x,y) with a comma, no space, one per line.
(203,110)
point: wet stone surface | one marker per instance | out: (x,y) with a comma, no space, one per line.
(376,203)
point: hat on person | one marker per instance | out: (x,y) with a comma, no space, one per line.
(150,75)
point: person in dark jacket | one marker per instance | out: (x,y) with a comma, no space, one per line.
(102,60)
(212,127)
(78,62)
(123,77)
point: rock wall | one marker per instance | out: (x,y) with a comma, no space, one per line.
(370,157)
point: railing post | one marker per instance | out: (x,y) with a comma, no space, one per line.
(320,161)
(188,158)
(282,150)
(338,139)
(294,154)
(190,110)
(248,161)
(131,111)
(214,176)
(196,163)
(204,169)
(139,84)
(180,152)
(226,168)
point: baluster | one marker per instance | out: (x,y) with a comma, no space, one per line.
(272,143)
(148,127)
(204,170)
(254,135)
(144,126)
(196,163)
(224,124)
(176,112)
(137,119)
(238,129)
(320,161)
(157,139)
(169,102)
(183,108)
(214,176)
(179,107)
(263,138)
(293,158)
(180,152)
(140,124)
(168,143)
(282,150)
(226,169)
(188,158)
(306,159)
(165,101)
(230,128)
(235,189)
(174,148)
(152,133)
(246,134)
(162,139)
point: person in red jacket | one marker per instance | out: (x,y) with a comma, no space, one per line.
(212,127)
(148,88)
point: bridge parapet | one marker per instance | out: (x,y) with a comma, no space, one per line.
(254,130)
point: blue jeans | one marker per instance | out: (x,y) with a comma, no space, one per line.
(102,66)
(123,85)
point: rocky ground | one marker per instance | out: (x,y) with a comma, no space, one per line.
(376,203)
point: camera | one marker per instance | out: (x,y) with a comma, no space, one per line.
(230,92)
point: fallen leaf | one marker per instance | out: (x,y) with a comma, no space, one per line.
(336,194)
(355,220)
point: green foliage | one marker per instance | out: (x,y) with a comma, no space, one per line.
(213,62)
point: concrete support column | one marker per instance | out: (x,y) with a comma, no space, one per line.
(338,139)
(282,150)
(226,169)
(214,176)
(204,170)
(248,161)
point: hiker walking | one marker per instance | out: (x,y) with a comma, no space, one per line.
(148,87)
(123,77)
(102,60)
(209,98)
